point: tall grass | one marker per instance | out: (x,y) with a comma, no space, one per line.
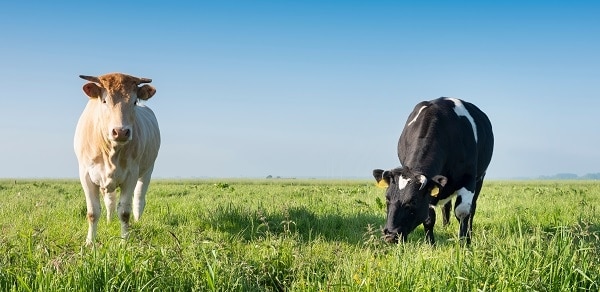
(287,235)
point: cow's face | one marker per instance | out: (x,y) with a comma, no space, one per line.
(117,95)
(407,199)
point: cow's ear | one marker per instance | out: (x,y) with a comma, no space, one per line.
(382,178)
(92,90)
(439,181)
(378,174)
(146,92)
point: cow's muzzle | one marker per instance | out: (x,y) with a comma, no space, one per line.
(120,134)
(393,236)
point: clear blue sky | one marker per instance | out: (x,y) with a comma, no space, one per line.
(304,88)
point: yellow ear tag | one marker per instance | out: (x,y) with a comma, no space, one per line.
(382,184)
(435,191)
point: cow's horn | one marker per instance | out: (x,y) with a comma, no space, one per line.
(144,80)
(90,78)
(423,181)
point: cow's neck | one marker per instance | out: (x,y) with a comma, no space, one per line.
(426,160)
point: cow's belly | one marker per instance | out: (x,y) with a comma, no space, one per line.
(464,208)
(443,202)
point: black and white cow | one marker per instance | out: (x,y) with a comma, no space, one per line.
(445,149)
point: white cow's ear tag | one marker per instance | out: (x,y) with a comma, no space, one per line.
(435,191)
(382,184)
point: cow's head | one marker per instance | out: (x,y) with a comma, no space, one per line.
(407,199)
(117,95)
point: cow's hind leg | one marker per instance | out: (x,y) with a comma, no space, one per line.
(139,195)
(478,187)
(110,202)
(124,208)
(446,213)
(462,211)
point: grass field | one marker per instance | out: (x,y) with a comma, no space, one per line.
(289,235)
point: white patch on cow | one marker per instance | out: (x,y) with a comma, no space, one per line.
(443,202)
(417,116)
(461,110)
(402,182)
(464,208)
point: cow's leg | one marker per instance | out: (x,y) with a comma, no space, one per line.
(92,200)
(139,195)
(110,202)
(428,225)
(462,211)
(124,208)
(478,187)
(446,213)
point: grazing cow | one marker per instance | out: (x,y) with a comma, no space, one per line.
(445,149)
(116,143)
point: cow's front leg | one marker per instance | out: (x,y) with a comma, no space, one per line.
(92,200)
(428,225)
(124,207)
(139,195)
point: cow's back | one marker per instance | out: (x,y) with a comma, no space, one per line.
(485,141)
(437,139)
(149,139)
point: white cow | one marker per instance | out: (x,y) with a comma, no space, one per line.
(116,143)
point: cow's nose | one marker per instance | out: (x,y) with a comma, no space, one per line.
(121,134)
(390,237)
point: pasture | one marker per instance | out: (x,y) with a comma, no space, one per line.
(296,235)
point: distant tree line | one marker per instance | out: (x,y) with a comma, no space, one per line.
(278,177)
(571,176)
